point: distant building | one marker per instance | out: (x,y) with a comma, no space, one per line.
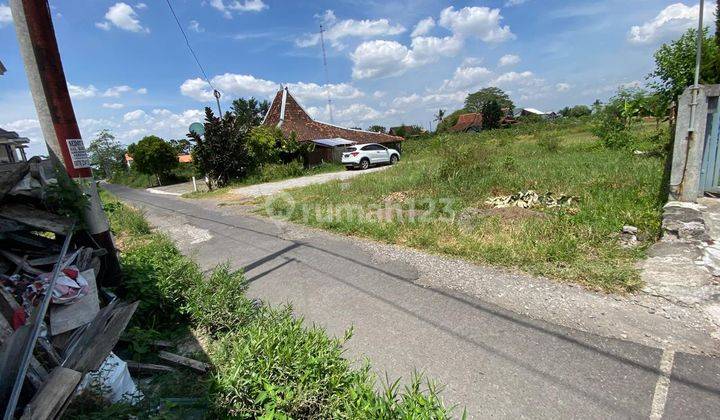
(330,140)
(12,147)
(468,122)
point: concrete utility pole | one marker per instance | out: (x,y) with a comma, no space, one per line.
(43,66)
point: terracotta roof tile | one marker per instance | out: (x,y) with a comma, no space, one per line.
(466,121)
(296,120)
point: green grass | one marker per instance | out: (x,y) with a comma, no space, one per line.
(578,244)
(134,179)
(266,362)
(269,173)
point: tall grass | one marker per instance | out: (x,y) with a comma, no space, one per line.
(579,244)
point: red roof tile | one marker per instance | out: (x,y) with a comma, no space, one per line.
(287,114)
(466,121)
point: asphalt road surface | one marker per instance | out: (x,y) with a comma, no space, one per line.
(493,362)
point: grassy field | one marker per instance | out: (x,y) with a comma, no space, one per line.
(269,173)
(578,243)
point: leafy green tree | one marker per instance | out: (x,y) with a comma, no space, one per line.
(154,156)
(377,129)
(475,101)
(181,146)
(717,24)
(675,64)
(221,153)
(249,112)
(575,112)
(107,155)
(492,115)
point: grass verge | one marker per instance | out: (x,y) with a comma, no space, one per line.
(456,174)
(266,363)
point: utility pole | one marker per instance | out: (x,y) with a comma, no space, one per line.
(43,66)
(327,78)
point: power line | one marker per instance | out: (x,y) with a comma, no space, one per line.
(216,94)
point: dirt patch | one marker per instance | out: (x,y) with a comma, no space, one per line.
(397,197)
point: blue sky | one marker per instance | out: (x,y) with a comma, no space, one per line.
(390,62)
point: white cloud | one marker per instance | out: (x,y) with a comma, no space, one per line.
(508,60)
(383,58)
(141,6)
(379,94)
(234,85)
(113,105)
(380,58)
(562,87)
(352,115)
(82,92)
(23,127)
(134,115)
(238,6)
(423,27)
(672,20)
(123,16)
(511,3)
(141,91)
(480,22)
(466,78)
(5,15)
(194,26)
(336,30)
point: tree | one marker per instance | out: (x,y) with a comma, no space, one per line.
(377,129)
(575,112)
(675,64)
(181,146)
(475,101)
(221,153)
(153,155)
(249,112)
(440,115)
(492,115)
(717,24)
(106,154)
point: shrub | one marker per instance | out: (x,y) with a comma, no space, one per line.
(549,141)
(218,304)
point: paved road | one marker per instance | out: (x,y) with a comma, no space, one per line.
(269,188)
(492,361)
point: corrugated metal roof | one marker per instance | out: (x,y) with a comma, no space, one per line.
(333,142)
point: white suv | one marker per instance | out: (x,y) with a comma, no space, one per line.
(364,155)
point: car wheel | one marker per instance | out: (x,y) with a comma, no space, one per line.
(393,159)
(364,164)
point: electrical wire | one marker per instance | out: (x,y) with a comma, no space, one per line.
(202,70)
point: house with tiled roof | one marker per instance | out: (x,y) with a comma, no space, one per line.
(468,122)
(12,147)
(289,116)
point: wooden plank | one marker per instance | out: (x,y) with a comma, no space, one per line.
(36,372)
(36,218)
(184,361)
(49,400)
(148,368)
(8,305)
(100,337)
(68,317)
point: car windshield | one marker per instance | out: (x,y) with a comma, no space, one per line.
(351,149)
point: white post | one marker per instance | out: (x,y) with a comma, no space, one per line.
(194,184)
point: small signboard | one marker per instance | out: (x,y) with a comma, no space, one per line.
(78,154)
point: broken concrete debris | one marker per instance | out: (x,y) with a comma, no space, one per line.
(528,199)
(628,237)
(54,312)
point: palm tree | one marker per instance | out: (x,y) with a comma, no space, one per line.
(441,113)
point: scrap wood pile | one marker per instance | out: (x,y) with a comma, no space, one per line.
(58,323)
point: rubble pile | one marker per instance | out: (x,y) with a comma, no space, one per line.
(528,199)
(58,322)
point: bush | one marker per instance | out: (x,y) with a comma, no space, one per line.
(549,140)
(218,304)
